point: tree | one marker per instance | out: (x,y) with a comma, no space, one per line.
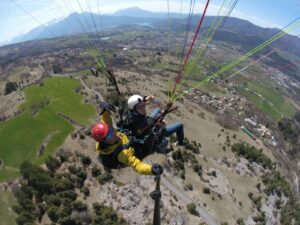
(69,221)
(56,69)
(22,219)
(79,206)
(53,213)
(86,160)
(68,195)
(52,163)
(38,178)
(10,87)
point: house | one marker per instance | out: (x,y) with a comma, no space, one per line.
(253,123)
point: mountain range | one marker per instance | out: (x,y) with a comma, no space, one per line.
(236,31)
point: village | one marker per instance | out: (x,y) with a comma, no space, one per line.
(235,105)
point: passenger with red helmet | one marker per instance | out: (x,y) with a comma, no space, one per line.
(115,149)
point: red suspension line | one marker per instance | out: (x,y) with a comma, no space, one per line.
(179,75)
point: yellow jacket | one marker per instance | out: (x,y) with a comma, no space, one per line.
(127,155)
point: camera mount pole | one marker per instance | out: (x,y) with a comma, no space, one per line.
(156,196)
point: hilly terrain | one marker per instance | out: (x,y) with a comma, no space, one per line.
(242,160)
(235,31)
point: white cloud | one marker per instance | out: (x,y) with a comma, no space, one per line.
(255,20)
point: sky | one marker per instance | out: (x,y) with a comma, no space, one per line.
(20,16)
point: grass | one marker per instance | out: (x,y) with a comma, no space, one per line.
(165,66)
(82,73)
(7,215)
(93,52)
(274,96)
(124,37)
(17,71)
(134,54)
(211,88)
(279,107)
(25,133)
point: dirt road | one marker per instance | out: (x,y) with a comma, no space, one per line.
(202,211)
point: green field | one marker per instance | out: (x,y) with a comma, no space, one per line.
(128,36)
(22,136)
(280,108)
(7,215)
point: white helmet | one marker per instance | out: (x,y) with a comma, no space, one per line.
(133,100)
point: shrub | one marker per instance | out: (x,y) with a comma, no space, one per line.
(68,194)
(96,171)
(260,218)
(52,163)
(53,213)
(188,186)
(10,87)
(79,206)
(177,155)
(69,221)
(62,155)
(103,178)
(182,176)
(53,200)
(250,195)
(197,168)
(192,209)
(86,160)
(252,155)
(56,69)
(206,190)
(73,169)
(213,173)
(23,219)
(85,191)
(106,215)
(193,147)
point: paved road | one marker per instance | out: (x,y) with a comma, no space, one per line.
(187,199)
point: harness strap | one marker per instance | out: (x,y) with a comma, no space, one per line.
(118,150)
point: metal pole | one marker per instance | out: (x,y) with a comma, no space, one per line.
(156,196)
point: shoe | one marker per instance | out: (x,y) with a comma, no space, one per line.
(180,145)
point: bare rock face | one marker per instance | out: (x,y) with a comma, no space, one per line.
(83,216)
(133,203)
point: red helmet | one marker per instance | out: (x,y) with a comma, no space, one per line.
(99,131)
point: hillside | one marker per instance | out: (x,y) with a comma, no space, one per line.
(213,174)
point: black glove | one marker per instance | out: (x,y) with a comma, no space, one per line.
(107,107)
(157,169)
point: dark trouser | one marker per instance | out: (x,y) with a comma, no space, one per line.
(110,162)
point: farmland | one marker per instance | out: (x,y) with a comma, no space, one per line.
(40,121)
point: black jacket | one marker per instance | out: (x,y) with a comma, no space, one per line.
(139,125)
